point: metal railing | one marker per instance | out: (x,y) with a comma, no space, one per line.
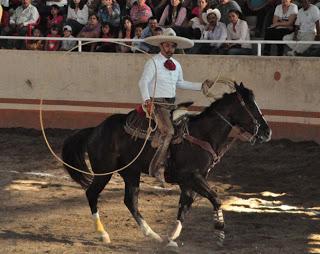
(82,40)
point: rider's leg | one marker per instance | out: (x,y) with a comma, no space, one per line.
(166,129)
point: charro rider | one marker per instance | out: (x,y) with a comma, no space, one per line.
(168,74)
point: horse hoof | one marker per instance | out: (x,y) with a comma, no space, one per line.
(105,238)
(220,237)
(172,247)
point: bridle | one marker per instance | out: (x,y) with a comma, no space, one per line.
(240,131)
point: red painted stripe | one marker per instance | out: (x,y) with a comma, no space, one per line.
(75,120)
(270,112)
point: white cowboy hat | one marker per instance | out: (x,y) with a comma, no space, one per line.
(214,11)
(169,35)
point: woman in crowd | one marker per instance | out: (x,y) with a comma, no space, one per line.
(91,30)
(106,46)
(283,22)
(77,17)
(173,15)
(109,12)
(237,29)
(126,32)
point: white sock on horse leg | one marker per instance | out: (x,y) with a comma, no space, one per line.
(176,230)
(147,231)
(100,228)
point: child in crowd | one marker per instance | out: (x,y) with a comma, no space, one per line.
(138,32)
(106,33)
(35,44)
(54,18)
(53,45)
(67,33)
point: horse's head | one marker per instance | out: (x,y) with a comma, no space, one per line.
(248,117)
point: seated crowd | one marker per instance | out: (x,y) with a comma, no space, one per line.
(194,19)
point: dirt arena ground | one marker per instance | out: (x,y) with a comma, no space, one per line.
(271,195)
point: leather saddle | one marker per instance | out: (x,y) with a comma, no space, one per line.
(137,124)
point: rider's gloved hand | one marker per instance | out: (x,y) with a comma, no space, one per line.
(206,85)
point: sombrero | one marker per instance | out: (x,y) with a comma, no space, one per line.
(169,35)
(209,11)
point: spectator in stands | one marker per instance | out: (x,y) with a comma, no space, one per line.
(197,11)
(106,46)
(53,45)
(307,28)
(45,8)
(67,33)
(225,6)
(109,12)
(214,30)
(24,16)
(237,29)
(35,44)
(126,32)
(138,32)
(77,17)
(91,30)
(55,18)
(148,31)
(173,15)
(140,12)
(194,27)
(283,23)
(1,10)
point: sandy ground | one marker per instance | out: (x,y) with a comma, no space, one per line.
(270,191)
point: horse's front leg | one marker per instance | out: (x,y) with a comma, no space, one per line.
(131,201)
(201,186)
(187,197)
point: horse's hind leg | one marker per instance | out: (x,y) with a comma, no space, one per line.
(187,197)
(92,193)
(131,201)
(200,185)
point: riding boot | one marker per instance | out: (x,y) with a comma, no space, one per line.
(159,159)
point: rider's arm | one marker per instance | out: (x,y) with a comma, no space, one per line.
(181,83)
(147,79)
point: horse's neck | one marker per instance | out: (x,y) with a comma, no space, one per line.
(213,130)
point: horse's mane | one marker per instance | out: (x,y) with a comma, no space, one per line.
(245,93)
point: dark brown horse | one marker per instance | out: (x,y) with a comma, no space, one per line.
(109,147)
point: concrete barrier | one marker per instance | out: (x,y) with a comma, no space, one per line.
(81,89)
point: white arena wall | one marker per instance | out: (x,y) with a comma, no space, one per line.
(81,89)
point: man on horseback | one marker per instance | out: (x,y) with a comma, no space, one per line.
(161,75)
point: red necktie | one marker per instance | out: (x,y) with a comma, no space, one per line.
(169,64)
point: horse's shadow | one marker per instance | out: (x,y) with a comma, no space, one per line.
(12,236)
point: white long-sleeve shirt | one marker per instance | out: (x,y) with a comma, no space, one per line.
(242,32)
(25,16)
(166,81)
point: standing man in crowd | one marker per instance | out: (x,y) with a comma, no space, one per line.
(161,75)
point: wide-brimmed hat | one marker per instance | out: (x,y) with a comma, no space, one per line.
(209,11)
(169,35)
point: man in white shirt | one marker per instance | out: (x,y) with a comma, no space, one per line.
(25,15)
(307,28)
(161,75)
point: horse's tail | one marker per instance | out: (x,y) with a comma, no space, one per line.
(73,153)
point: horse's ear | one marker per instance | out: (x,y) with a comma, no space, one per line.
(236,86)
(241,85)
